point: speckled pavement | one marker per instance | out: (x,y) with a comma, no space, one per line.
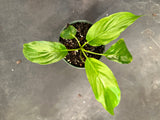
(29,91)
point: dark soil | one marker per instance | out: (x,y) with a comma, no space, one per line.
(74,57)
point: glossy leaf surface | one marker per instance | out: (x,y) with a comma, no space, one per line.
(104,84)
(69,32)
(118,52)
(44,52)
(109,28)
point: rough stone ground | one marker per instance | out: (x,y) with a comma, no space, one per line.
(29,91)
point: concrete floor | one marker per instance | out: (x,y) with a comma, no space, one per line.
(29,91)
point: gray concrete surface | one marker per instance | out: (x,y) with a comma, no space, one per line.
(29,91)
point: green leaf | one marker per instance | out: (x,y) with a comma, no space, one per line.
(69,32)
(104,84)
(118,52)
(109,28)
(44,52)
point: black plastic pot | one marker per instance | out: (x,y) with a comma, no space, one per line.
(72,59)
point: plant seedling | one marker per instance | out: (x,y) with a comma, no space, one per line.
(101,78)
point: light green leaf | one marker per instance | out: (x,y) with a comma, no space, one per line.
(104,84)
(118,52)
(69,32)
(44,52)
(109,28)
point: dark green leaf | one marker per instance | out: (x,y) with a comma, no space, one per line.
(109,28)
(69,32)
(104,84)
(118,52)
(44,52)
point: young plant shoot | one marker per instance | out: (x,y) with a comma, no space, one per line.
(101,78)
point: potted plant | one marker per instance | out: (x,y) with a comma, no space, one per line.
(81,44)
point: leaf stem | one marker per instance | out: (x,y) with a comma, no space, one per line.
(77,40)
(73,49)
(81,56)
(84,44)
(93,52)
(84,53)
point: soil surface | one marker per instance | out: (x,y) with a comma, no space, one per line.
(76,58)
